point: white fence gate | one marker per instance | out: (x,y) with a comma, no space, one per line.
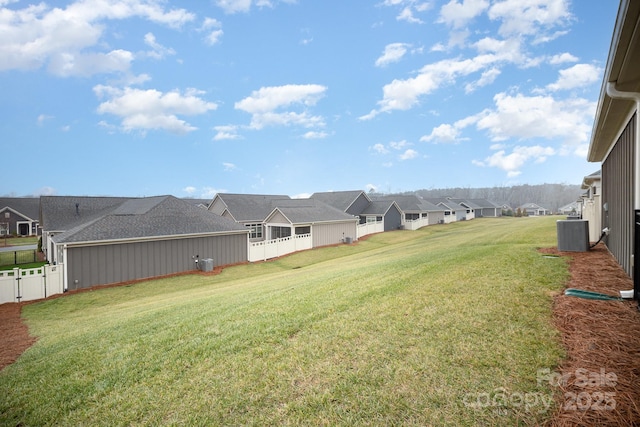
(267,249)
(29,284)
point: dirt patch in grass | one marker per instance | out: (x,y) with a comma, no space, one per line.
(14,334)
(598,382)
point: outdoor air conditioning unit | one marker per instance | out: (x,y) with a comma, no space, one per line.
(207,264)
(573,235)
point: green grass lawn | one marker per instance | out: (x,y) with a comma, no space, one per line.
(447,325)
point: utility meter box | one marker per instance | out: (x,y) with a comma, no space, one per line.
(573,235)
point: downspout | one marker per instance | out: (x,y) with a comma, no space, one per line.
(65,286)
(614,93)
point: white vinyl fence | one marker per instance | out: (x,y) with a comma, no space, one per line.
(414,224)
(262,251)
(370,228)
(29,284)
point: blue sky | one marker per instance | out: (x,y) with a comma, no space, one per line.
(191,98)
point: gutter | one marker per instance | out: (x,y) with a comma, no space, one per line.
(614,93)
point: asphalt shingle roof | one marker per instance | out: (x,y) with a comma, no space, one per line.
(300,211)
(338,199)
(26,206)
(148,217)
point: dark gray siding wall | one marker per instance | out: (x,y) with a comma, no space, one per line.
(360,204)
(392,219)
(105,264)
(617,194)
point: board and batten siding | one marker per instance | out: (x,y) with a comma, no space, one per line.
(325,234)
(617,197)
(104,264)
(359,205)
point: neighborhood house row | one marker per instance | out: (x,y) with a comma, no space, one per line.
(106,240)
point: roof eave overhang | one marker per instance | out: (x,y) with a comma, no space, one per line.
(611,114)
(149,238)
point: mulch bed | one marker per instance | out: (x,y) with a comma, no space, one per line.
(598,383)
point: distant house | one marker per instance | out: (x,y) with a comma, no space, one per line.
(325,224)
(280,225)
(571,209)
(386,211)
(112,240)
(416,212)
(453,211)
(19,216)
(250,210)
(533,209)
(353,202)
(482,207)
(591,209)
(359,204)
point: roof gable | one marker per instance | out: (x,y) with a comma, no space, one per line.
(340,199)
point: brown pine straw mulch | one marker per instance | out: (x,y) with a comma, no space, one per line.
(599,381)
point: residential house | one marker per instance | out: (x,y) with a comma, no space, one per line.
(136,238)
(572,209)
(280,225)
(591,209)
(615,141)
(452,210)
(249,210)
(19,216)
(374,215)
(533,209)
(482,207)
(416,212)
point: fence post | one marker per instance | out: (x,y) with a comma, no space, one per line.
(17,278)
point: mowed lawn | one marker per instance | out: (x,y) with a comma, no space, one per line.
(447,325)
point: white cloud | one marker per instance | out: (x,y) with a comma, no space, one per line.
(529,17)
(226,132)
(445,133)
(404,94)
(562,58)
(514,161)
(42,118)
(379,148)
(315,135)
(189,190)
(458,15)
(68,40)
(393,52)
(486,78)
(263,105)
(157,50)
(151,109)
(228,166)
(242,6)
(213,29)
(398,145)
(580,75)
(527,117)
(409,154)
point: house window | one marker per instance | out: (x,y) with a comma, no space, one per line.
(280,232)
(371,219)
(303,230)
(256,231)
